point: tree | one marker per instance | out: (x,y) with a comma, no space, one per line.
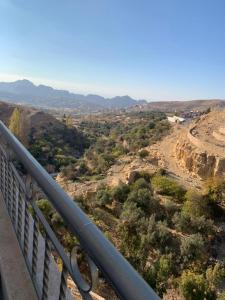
(15,123)
(69,121)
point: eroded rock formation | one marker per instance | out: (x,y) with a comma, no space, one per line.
(202,150)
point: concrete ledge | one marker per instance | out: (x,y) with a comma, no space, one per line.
(15,283)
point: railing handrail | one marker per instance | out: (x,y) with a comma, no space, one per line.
(128,284)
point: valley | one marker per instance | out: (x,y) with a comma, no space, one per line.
(148,184)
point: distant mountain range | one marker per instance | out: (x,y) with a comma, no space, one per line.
(26,93)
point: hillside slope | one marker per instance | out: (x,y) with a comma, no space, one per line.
(51,142)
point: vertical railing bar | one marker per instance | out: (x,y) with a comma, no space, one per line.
(19,213)
(13,192)
(5,182)
(8,189)
(26,230)
(63,283)
(35,247)
(1,170)
(46,271)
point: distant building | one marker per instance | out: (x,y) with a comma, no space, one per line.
(191,114)
(175,119)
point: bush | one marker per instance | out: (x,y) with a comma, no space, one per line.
(121,192)
(143,153)
(169,187)
(215,190)
(46,208)
(131,227)
(144,200)
(191,224)
(158,274)
(214,275)
(163,237)
(195,287)
(140,183)
(135,175)
(170,208)
(103,197)
(195,205)
(192,247)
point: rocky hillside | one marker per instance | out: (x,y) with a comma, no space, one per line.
(201,150)
(49,140)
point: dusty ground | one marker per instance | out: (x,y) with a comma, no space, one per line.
(165,151)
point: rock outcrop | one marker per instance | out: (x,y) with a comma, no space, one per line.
(202,150)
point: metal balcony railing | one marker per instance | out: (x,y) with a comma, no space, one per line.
(40,245)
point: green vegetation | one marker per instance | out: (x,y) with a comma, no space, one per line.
(15,123)
(167,241)
(166,232)
(143,153)
(195,287)
(166,186)
(111,139)
(57,147)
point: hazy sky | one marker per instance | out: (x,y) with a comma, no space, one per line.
(153,49)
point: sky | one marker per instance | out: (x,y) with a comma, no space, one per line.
(148,49)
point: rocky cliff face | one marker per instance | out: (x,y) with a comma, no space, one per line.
(199,162)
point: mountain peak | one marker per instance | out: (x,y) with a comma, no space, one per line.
(48,97)
(23,82)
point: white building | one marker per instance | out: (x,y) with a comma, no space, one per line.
(175,119)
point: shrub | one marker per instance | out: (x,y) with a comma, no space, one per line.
(131,227)
(46,208)
(192,247)
(215,190)
(214,275)
(144,200)
(157,274)
(192,224)
(140,183)
(163,237)
(143,153)
(169,187)
(103,196)
(170,208)
(195,287)
(135,175)
(195,205)
(121,192)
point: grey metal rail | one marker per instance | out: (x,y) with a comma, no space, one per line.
(127,283)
